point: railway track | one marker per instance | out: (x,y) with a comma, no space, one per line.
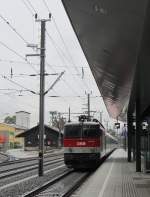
(20,185)
(27,163)
(57,181)
(63,185)
(3,158)
(7,163)
(29,167)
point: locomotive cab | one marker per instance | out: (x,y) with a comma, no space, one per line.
(82,144)
(85,143)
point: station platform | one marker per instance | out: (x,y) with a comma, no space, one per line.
(116,178)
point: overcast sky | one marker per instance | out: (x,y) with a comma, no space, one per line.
(63,53)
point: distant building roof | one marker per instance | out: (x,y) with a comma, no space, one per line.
(26,132)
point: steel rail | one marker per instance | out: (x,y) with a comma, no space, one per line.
(70,190)
(28,169)
(27,159)
(76,185)
(83,178)
(28,165)
(38,190)
(3,156)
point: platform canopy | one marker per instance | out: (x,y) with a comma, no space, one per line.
(109,32)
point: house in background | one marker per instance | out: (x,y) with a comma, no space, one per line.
(8,132)
(7,136)
(22,124)
(23,119)
(31,137)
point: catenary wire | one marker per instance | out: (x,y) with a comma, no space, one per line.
(17,84)
(55,46)
(31,5)
(37,64)
(49,35)
(47,32)
(19,55)
(66,48)
(68,60)
(63,41)
(14,29)
(28,8)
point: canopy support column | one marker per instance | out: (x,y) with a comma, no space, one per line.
(129,135)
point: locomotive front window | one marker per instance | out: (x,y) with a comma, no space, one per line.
(90,131)
(72,131)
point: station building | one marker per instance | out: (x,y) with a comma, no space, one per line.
(31,137)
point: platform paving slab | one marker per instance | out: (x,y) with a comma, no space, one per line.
(116,178)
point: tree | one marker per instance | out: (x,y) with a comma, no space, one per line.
(53,114)
(57,120)
(10,120)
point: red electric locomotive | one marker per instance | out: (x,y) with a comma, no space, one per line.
(85,142)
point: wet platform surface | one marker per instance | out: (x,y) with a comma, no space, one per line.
(116,178)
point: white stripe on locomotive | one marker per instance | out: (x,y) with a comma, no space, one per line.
(82,150)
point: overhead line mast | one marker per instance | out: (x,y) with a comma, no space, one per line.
(42,90)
